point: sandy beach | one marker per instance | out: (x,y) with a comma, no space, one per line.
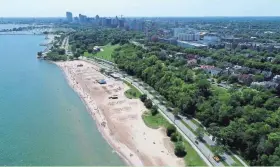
(119,120)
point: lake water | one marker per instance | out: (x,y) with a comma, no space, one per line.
(42,120)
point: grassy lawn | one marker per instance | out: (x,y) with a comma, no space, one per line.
(156,121)
(132,93)
(86,54)
(105,54)
(192,158)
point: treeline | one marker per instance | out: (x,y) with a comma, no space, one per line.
(57,55)
(245,120)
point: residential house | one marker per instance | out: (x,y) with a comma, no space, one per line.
(255,71)
(265,84)
(270,59)
(180,55)
(267,74)
(245,79)
(276,79)
(214,71)
(227,71)
(207,60)
(191,56)
(241,70)
(192,62)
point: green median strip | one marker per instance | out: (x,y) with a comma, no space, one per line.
(183,122)
(237,162)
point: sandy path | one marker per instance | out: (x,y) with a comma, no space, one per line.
(119,120)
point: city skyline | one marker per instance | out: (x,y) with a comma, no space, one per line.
(136,8)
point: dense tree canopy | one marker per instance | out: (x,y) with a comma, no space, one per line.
(244,119)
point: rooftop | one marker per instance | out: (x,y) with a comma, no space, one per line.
(193,43)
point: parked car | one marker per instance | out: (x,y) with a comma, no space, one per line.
(216,158)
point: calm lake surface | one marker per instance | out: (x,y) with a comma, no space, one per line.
(42,120)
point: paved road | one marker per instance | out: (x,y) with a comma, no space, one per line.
(210,142)
(206,137)
(65,45)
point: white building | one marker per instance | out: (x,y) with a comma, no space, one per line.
(186,44)
(211,39)
(188,36)
(276,79)
(177,31)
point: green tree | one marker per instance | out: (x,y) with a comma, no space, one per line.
(170,129)
(148,103)
(203,85)
(71,57)
(102,70)
(154,110)
(259,78)
(76,55)
(232,79)
(143,97)
(174,137)
(176,112)
(61,51)
(218,150)
(90,50)
(40,54)
(180,149)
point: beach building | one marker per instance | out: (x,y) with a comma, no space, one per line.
(102,81)
(115,76)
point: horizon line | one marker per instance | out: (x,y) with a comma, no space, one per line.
(129,16)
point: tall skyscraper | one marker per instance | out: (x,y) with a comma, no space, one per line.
(97,20)
(121,23)
(115,22)
(82,18)
(97,17)
(108,22)
(140,25)
(69,16)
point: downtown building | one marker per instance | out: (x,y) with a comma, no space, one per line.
(183,35)
(82,18)
(188,36)
(137,25)
(69,17)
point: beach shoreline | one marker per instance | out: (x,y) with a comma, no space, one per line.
(116,132)
(67,78)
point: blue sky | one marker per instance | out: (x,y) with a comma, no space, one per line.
(39,8)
